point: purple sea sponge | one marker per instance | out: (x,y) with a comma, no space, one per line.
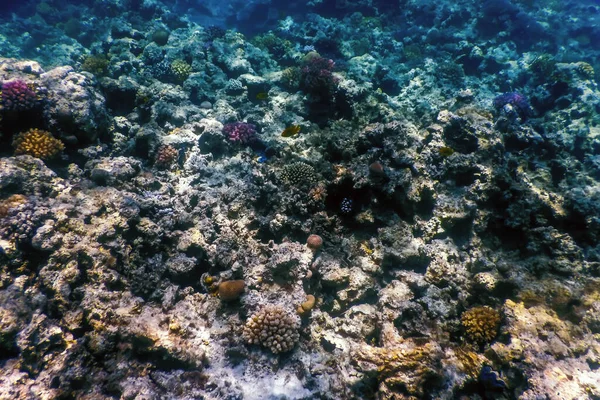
(240,132)
(517,101)
(18,95)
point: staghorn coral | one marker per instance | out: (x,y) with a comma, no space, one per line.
(272,327)
(481,324)
(37,143)
(299,174)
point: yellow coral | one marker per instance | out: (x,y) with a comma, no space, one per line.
(481,324)
(13,201)
(37,143)
(586,70)
(181,70)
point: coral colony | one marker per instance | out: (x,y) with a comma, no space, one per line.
(250,199)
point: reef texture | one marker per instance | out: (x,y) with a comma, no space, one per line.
(370,201)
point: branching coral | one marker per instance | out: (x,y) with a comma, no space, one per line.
(240,132)
(481,324)
(272,327)
(96,64)
(19,95)
(181,70)
(37,143)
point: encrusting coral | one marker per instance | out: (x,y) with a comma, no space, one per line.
(37,143)
(13,201)
(272,327)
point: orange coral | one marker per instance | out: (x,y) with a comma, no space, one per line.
(37,143)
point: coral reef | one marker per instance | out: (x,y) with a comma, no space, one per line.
(175,162)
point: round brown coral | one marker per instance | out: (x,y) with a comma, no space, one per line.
(298,174)
(231,290)
(166,156)
(37,143)
(481,324)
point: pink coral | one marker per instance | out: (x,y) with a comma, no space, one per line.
(240,132)
(19,95)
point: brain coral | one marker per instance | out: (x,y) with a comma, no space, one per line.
(37,143)
(298,174)
(272,327)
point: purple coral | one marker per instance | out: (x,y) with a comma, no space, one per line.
(240,132)
(517,101)
(316,76)
(18,95)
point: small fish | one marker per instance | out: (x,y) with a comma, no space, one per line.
(262,96)
(261,158)
(290,131)
(446,151)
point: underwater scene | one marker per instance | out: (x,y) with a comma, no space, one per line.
(299,199)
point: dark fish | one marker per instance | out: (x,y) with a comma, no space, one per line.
(446,151)
(290,131)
